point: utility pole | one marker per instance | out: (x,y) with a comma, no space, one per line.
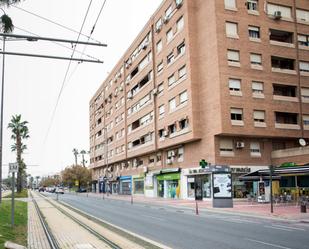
(33,38)
(271,169)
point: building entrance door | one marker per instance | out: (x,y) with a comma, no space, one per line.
(161,188)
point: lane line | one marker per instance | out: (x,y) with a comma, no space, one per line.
(247,221)
(278,228)
(152,217)
(268,244)
(287,227)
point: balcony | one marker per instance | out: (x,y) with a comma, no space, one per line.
(283,65)
(286,120)
(281,38)
(284,93)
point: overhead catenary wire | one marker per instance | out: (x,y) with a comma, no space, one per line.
(59,44)
(53,22)
(89,37)
(65,77)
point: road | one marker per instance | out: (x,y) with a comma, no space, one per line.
(184,230)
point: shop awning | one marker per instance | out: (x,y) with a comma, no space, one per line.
(258,175)
(169,170)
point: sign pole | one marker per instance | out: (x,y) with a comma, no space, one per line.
(13,203)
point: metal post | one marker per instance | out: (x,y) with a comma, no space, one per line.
(132,198)
(271,188)
(1,118)
(196,208)
(13,193)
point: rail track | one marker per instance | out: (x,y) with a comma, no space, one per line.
(54,244)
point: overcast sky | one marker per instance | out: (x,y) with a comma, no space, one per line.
(33,84)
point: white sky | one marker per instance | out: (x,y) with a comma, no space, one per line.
(33,84)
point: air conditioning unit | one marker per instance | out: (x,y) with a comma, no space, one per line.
(155,91)
(165,133)
(166,19)
(130,96)
(277,15)
(240,145)
(158,29)
(169,161)
(179,4)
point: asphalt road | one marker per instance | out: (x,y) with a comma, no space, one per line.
(183,229)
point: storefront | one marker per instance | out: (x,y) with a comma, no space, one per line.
(94,186)
(242,189)
(138,184)
(196,183)
(125,185)
(168,183)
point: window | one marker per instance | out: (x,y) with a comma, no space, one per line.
(286,118)
(304,66)
(259,116)
(161,133)
(285,11)
(233,55)
(168,12)
(234,84)
(226,145)
(180,154)
(161,111)
(252,5)
(172,104)
(183,123)
(170,58)
(183,97)
(257,87)
(236,114)
(159,46)
(169,35)
(180,24)
(172,128)
(171,80)
(181,48)
(182,72)
(306,120)
(280,36)
(305,94)
(284,90)
(303,40)
(282,63)
(231,29)
(160,67)
(160,88)
(254,32)
(230,4)
(302,15)
(255,149)
(159,24)
(256,59)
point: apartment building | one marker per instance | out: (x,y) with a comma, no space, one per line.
(226,81)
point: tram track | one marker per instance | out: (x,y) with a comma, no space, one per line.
(52,240)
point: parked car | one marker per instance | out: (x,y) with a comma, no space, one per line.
(41,189)
(81,190)
(59,190)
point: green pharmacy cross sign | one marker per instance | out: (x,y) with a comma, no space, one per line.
(203,163)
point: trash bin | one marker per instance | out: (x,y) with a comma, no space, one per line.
(303,208)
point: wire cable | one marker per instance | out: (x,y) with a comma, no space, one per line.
(65,77)
(53,22)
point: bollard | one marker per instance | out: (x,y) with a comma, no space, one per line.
(131,199)
(303,208)
(196,208)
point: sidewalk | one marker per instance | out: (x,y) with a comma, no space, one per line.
(241,206)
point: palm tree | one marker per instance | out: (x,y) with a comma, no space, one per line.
(75,152)
(83,152)
(19,131)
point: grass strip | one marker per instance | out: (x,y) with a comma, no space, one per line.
(18,234)
(22,194)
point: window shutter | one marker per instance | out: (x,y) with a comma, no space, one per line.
(233,55)
(231,28)
(305,91)
(226,144)
(304,66)
(230,3)
(234,83)
(259,115)
(257,58)
(236,111)
(257,86)
(302,15)
(254,146)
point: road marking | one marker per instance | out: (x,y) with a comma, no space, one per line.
(287,227)
(152,217)
(269,244)
(247,221)
(279,228)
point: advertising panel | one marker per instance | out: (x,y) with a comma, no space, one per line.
(222,185)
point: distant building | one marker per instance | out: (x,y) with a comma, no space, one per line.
(222,80)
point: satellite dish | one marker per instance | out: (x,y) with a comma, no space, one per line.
(302,142)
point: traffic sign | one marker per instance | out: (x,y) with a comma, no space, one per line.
(13,167)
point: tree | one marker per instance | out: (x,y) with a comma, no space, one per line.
(8,2)
(6,22)
(19,131)
(75,152)
(83,152)
(76,173)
